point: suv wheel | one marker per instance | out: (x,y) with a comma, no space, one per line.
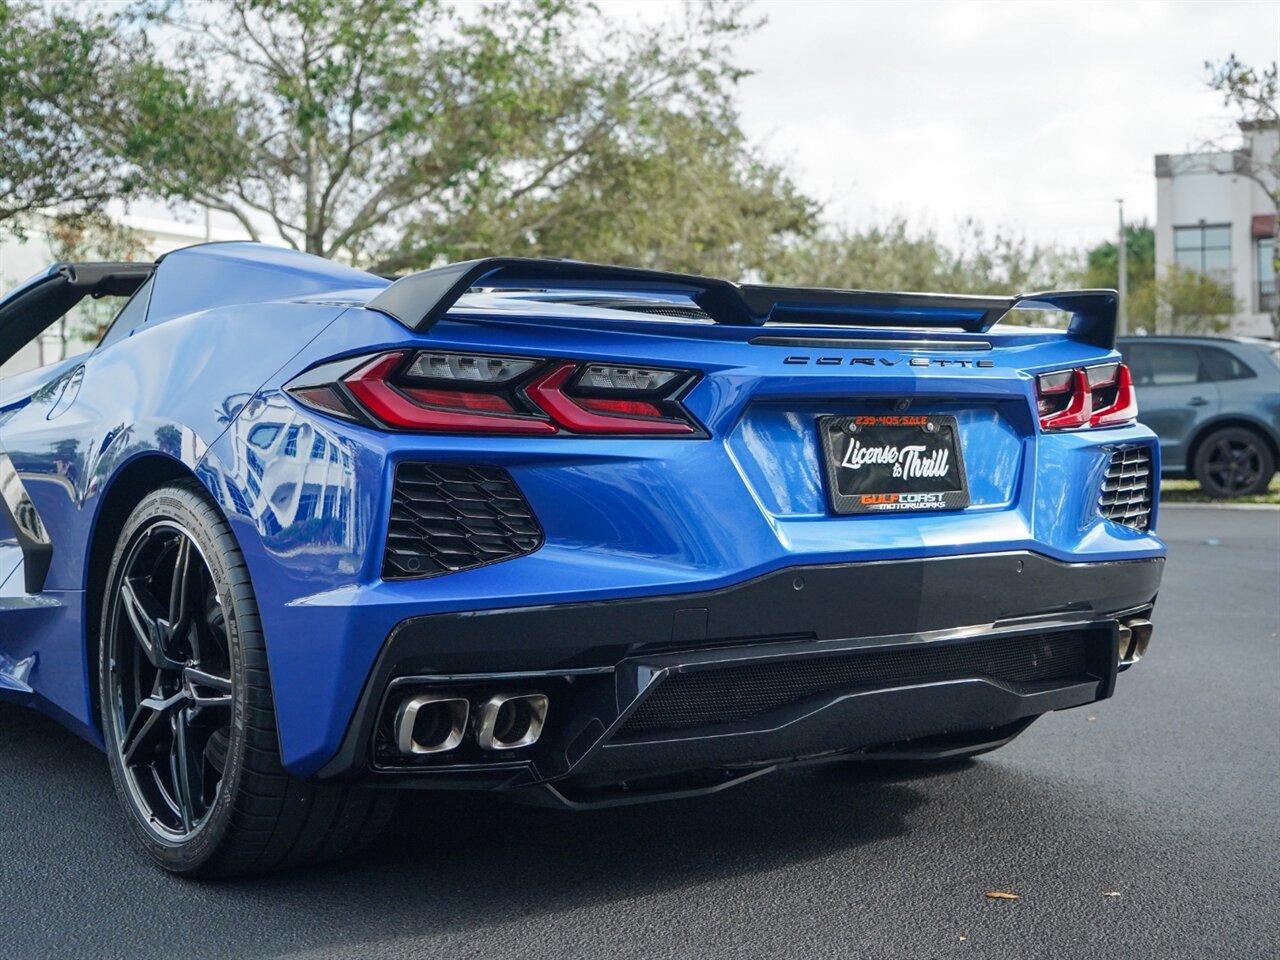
(1234,462)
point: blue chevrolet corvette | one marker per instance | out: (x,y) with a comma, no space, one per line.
(294,537)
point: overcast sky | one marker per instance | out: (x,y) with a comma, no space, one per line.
(1035,116)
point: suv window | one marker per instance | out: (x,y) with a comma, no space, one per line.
(1220,364)
(1162,364)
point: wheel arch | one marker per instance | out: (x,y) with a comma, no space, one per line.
(141,476)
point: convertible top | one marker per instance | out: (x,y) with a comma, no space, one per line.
(38,304)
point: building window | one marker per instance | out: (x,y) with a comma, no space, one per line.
(255,463)
(308,502)
(1266,274)
(1203,248)
(264,434)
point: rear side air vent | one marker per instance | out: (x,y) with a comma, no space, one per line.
(447,517)
(1127,491)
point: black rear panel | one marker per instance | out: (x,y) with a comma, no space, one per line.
(740,692)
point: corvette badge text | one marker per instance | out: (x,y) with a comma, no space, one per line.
(889,361)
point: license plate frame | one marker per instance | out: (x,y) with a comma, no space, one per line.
(861,451)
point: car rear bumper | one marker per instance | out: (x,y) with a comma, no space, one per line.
(806,662)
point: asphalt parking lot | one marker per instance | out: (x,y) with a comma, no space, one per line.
(1168,795)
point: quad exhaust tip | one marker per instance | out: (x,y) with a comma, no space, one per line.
(1135,637)
(431,723)
(509,721)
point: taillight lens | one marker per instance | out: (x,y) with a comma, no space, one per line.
(381,389)
(1098,396)
(548,392)
(435,391)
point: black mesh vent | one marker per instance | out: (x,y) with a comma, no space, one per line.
(731,694)
(1127,491)
(446,518)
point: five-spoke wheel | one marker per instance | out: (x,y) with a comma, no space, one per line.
(169,680)
(187,708)
(1234,462)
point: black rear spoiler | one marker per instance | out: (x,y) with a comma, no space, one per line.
(421,299)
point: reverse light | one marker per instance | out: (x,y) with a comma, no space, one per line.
(436,391)
(1097,396)
(599,376)
(475,369)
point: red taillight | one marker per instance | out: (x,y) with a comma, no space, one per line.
(371,386)
(1124,408)
(458,400)
(619,408)
(464,393)
(1098,396)
(548,393)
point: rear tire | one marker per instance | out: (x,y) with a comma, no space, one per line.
(187,711)
(1234,462)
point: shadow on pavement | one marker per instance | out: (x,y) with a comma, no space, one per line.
(448,862)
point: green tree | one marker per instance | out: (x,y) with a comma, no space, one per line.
(894,257)
(1183,301)
(89,114)
(46,159)
(396,133)
(1102,262)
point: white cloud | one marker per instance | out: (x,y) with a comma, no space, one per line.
(1034,115)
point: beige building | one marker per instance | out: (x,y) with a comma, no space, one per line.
(1211,215)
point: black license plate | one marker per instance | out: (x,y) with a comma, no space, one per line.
(891,463)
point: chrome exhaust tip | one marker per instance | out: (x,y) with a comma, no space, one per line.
(509,721)
(1135,637)
(431,723)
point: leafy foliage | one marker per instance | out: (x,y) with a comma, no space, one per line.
(1251,92)
(892,256)
(1102,262)
(1179,301)
(1182,301)
(47,158)
(399,132)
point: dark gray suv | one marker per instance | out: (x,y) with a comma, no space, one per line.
(1215,404)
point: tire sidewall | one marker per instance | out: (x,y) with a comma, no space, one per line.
(1238,433)
(189,509)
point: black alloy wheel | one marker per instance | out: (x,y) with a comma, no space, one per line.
(1234,462)
(169,681)
(187,711)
